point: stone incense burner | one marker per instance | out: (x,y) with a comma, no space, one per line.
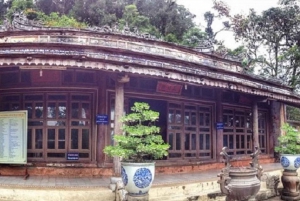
(240,183)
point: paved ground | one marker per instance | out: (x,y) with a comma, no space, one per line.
(92,188)
(90,182)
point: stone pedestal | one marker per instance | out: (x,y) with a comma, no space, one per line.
(290,182)
(138,198)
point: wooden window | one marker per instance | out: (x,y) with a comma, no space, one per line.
(35,106)
(238,131)
(262,131)
(80,139)
(57,124)
(190,131)
(175,133)
(112,120)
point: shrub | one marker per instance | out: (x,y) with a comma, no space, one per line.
(141,140)
(289,143)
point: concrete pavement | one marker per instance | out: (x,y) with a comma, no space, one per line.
(167,187)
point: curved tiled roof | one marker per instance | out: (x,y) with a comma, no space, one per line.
(105,49)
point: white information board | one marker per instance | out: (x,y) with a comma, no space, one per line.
(13,137)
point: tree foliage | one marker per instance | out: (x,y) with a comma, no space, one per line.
(63,7)
(135,21)
(155,16)
(289,143)
(271,39)
(193,36)
(55,20)
(293,113)
(95,13)
(141,140)
(19,6)
(161,18)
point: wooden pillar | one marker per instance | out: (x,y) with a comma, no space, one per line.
(119,109)
(219,118)
(102,105)
(255,125)
(282,114)
(277,120)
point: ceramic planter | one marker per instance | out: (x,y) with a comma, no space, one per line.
(290,161)
(137,177)
(290,179)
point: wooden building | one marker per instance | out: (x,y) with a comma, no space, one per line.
(68,80)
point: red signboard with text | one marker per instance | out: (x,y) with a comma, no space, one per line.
(170,88)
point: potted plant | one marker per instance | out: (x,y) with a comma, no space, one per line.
(138,147)
(289,148)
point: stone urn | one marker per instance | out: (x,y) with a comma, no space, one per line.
(240,183)
(137,177)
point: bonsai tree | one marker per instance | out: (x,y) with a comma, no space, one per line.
(290,142)
(140,140)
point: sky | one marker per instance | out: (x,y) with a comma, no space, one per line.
(199,7)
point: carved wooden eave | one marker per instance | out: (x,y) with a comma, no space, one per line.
(123,53)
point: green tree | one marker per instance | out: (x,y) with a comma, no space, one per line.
(167,16)
(193,37)
(62,7)
(271,39)
(164,16)
(95,12)
(20,5)
(141,140)
(171,38)
(133,19)
(55,20)
(293,113)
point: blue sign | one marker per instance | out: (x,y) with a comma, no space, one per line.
(72,156)
(220,125)
(102,119)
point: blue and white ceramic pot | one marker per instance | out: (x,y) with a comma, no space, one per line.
(290,161)
(137,177)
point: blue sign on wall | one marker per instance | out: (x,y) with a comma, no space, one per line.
(102,119)
(220,125)
(72,156)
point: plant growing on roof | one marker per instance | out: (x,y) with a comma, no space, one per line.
(290,142)
(140,141)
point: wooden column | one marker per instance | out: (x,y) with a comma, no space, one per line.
(119,109)
(282,114)
(102,105)
(219,118)
(255,125)
(277,120)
